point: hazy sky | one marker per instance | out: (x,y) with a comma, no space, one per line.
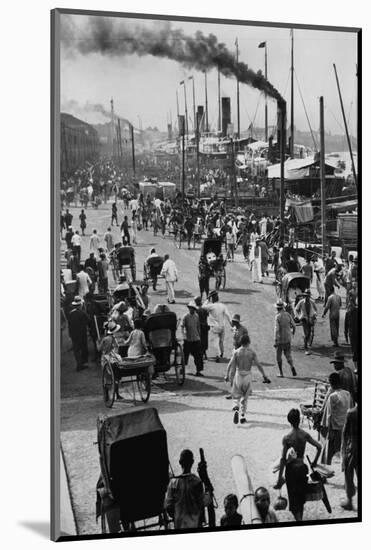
(146,86)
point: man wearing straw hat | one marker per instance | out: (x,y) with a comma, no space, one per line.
(284,324)
(306,312)
(238,330)
(218,314)
(192,337)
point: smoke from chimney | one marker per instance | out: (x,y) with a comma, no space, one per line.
(115,37)
(79,110)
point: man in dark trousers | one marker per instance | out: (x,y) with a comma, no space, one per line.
(349,452)
(192,338)
(351,330)
(114,214)
(184,500)
(78,323)
(68,219)
(348,380)
(284,329)
(125,230)
(68,236)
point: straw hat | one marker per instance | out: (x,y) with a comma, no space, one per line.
(77,301)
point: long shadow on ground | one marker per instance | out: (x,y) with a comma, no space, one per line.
(240,291)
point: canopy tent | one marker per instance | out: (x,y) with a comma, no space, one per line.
(298,168)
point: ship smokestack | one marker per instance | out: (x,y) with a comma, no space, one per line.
(201,118)
(226,114)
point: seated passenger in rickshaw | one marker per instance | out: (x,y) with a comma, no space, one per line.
(120,315)
(293,296)
(136,341)
(122,290)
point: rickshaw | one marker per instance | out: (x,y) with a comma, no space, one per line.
(136,371)
(291,288)
(126,261)
(134,466)
(160,331)
(211,250)
(152,269)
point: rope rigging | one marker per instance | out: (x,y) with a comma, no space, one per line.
(306,114)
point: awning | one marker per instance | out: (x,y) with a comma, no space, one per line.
(343,206)
(296,168)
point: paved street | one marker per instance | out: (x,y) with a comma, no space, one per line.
(198,415)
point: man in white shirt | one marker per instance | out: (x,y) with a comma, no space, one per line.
(218,314)
(83,282)
(133,205)
(76,245)
(94,242)
(170,272)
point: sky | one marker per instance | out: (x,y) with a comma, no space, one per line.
(144,87)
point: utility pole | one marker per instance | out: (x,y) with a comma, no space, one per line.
(282,112)
(198,152)
(181,126)
(346,126)
(292,97)
(112,128)
(238,95)
(264,45)
(177,104)
(132,148)
(323,175)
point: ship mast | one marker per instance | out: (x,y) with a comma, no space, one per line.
(219,117)
(238,95)
(292,97)
(206,108)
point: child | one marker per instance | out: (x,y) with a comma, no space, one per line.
(136,341)
(231,516)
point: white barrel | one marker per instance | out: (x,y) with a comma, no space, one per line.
(245,491)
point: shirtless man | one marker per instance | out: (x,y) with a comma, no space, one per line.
(239,368)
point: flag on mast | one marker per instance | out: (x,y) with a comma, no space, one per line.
(262,45)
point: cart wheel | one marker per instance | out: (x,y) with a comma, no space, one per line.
(108,383)
(144,385)
(179,365)
(223,279)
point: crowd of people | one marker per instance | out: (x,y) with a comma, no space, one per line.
(259,238)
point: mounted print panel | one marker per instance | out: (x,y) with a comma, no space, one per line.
(206,357)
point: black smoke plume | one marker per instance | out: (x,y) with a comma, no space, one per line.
(114,37)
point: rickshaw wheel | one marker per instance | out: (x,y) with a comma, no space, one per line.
(144,385)
(108,383)
(178,363)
